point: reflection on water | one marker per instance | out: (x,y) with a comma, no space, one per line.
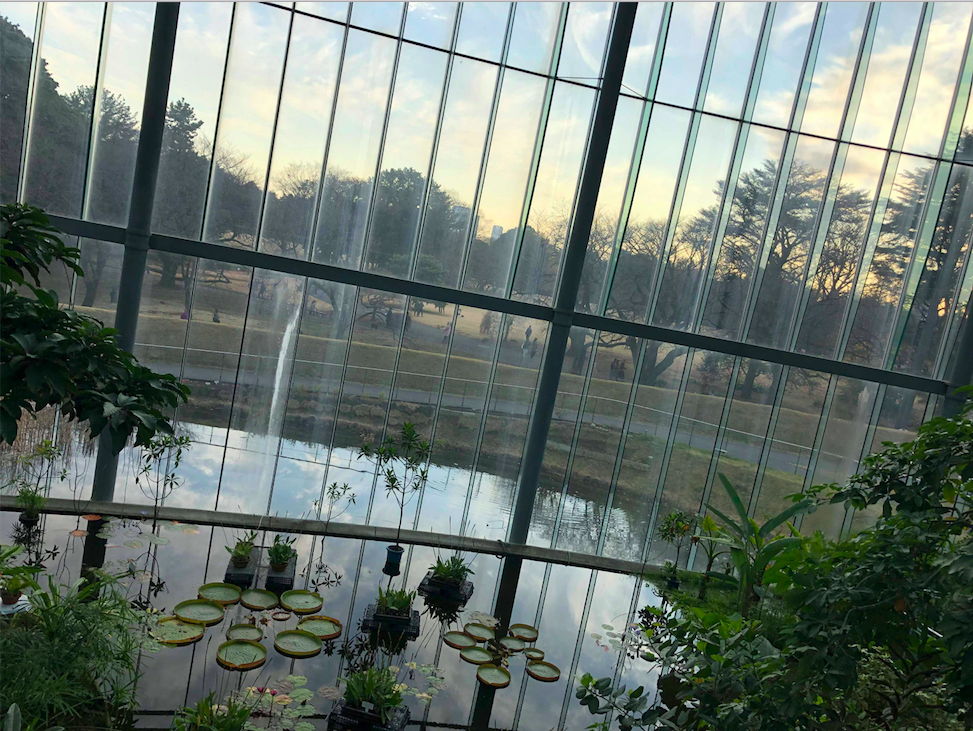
(566,605)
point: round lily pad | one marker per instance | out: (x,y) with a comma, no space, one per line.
(297,643)
(173,631)
(224,594)
(475,655)
(532,653)
(523,632)
(199,611)
(324,628)
(459,640)
(241,655)
(513,644)
(490,674)
(280,616)
(543,671)
(479,632)
(245,632)
(258,599)
(301,601)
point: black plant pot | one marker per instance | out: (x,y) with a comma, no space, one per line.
(242,576)
(459,592)
(672,584)
(394,557)
(393,625)
(29,520)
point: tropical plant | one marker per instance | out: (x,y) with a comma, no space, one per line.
(324,574)
(708,529)
(408,455)
(280,553)
(375,689)
(752,546)
(675,529)
(210,715)
(31,501)
(453,570)
(155,469)
(240,553)
(395,601)
(14,579)
(56,357)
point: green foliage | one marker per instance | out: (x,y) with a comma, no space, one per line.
(31,501)
(406,454)
(395,601)
(454,569)
(210,715)
(243,546)
(280,553)
(54,357)
(708,529)
(377,687)
(280,706)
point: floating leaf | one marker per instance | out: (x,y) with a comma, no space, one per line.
(241,655)
(199,611)
(324,628)
(301,601)
(91,516)
(543,671)
(258,599)
(224,594)
(79,533)
(134,544)
(157,540)
(191,530)
(173,631)
(245,632)
(492,675)
(297,643)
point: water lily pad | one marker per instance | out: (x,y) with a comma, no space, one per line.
(532,653)
(199,611)
(157,540)
(241,655)
(490,674)
(543,671)
(523,632)
(172,526)
(281,616)
(297,643)
(90,516)
(479,632)
(258,599)
(79,533)
(301,601)
(173,631)
(475,655)
(224,594)
(459,640)
(324,628)
(514,644)
(250,632)
(190,530)
(134,544)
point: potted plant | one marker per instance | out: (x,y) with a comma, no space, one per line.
(372,700)
(281,553)
(11,588)
(448,579)
(403,462)
(240,553)
(31,501)
(393,614)
(676,528)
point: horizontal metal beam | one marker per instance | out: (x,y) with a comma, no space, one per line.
(369,280)
(354,531)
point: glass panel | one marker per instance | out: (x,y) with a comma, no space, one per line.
(733,61)
(96,293)
(937,80)
(330,10)
(783,276)
(834,68)
(122,97)
(482,28)
(431,23)
(502,197)
(927,310)
(254,69)
(533,36)
(888,66)
(552,201)
(695,439)
(458,159)
(194,98)
(61,115)
(356,136)
(789,450)
(262,385)
(167,292)
(585,36)
(405,160)
(641,49)
(17,22)
(964,147)
(696,226)
(834,277)
(880,295)
(742,241)
(638,261)
(598,441)
(781,73)
(302,128)
(380,16)
(611,194)
(689,29)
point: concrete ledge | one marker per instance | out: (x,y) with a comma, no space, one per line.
(60,506)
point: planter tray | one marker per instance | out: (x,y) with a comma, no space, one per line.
(242,577)
(346,719)
(281,581)
(460,593)
(405,626)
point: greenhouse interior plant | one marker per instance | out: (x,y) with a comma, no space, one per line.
(281,553)
(242,550)
(448,580)
(372,700)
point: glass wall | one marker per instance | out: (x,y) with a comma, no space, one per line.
(790,175)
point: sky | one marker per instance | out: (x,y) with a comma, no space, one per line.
(255,62)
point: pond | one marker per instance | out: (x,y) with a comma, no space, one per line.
(165,564)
